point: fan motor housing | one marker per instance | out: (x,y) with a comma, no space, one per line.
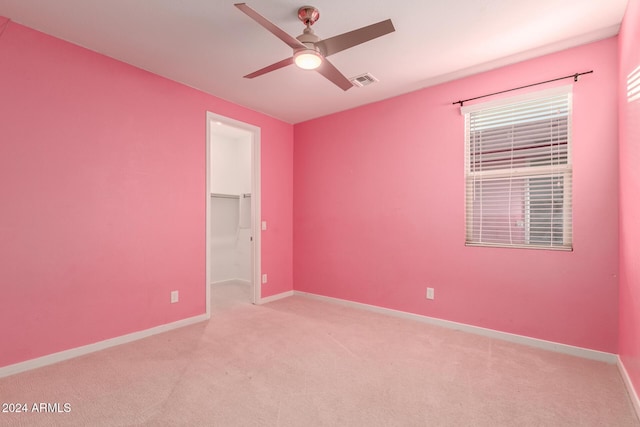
(308,37)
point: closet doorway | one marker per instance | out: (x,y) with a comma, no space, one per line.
(233,213)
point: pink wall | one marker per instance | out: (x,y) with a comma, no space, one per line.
(629,54)
(277,206)
(379,210)
(102,179)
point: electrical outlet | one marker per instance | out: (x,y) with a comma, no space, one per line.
(264,278)
(174,297)
(430,293)
(264,225)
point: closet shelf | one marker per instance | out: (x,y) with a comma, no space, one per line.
(230,196)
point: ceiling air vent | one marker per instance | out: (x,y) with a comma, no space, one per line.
(363,80)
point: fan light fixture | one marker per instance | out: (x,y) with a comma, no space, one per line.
(307,59)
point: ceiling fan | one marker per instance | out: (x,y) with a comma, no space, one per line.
(309,51)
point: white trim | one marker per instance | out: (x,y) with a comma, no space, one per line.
(61,356)
(256,212)
(207,210)
(558,90)
(255,204)
(629,385)
(276,297)
(490,333)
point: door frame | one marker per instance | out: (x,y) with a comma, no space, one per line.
(256,284)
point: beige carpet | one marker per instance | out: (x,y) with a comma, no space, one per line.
(302,362)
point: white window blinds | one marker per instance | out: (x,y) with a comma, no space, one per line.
(518,172)
(633,85)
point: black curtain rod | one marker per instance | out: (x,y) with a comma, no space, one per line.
(575,79)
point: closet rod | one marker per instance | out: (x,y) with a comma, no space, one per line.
(575,79)
(245,195)
(225,196)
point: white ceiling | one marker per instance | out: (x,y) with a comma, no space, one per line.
(210,44)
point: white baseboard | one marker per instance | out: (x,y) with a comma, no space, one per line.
(275,297)
(50,359)
(630,389)
(505,336)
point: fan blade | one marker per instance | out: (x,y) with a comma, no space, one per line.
(270,68)
(352,38)
(328,70)
(279,33)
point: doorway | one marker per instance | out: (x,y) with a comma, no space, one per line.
(232,211)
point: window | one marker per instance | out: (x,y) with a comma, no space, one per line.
(518,171)
(633,85)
